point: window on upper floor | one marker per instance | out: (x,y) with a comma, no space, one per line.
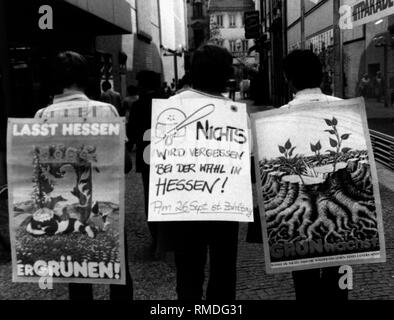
(219,20)
(232,21)
(197,9)
(245,45)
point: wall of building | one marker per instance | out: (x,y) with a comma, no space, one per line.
(320,19)
(160,23)
(354,66)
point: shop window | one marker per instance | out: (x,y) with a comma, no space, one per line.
(233,45)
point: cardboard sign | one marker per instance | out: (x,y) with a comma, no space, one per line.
(200,161)
(66,200)
(318,190)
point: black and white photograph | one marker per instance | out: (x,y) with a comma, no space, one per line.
(174,151)
(320,198)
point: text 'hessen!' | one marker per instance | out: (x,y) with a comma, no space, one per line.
(67,129)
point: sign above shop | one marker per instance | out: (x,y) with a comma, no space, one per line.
(366,11)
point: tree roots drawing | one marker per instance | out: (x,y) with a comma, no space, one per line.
(340,209)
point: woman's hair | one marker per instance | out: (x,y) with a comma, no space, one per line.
(303,69)
(211,68)
(70,68)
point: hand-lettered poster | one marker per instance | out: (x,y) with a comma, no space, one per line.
(318,190)
(200,161)
(66,200)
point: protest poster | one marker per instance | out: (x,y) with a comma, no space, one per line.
(66,200)
(200,161)
(317,186)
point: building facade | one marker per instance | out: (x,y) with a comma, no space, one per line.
(227,30)
(158,42)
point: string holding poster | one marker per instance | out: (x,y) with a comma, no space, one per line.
(200,161)
(318,189)
(66,200)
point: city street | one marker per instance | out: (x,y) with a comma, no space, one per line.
(123,53)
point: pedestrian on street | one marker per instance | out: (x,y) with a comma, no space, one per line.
(149,87)
(112,97)
(303,72)
(192,241)
(71,74)
(132,96)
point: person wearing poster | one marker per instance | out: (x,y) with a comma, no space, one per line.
(304,74)
(211,67)
(71,74)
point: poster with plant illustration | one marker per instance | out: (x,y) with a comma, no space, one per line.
(318,190)
(66,200)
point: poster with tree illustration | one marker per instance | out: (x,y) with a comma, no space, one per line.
(66,200)
(317,183)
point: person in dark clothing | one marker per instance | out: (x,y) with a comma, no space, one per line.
(149,86)
(304,73)
(112,97)
(132,96)
(193,242)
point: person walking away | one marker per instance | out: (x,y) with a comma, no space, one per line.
(132,96)
(71,73)
(303,72)
(112,97)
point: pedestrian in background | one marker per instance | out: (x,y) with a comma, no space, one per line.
(112,97)
(132,96)
(364,86)
(379,86)
(71,74)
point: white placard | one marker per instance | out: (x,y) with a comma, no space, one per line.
(200,161)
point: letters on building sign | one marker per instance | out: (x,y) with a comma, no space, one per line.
(369,10)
